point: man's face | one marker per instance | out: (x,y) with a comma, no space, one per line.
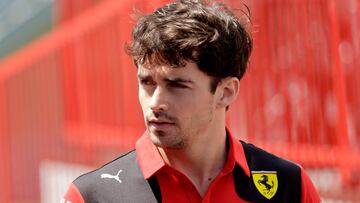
(176,102)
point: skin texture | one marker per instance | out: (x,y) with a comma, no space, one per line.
(185,120)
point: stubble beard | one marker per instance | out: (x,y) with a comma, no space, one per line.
(170,140)
(180,137)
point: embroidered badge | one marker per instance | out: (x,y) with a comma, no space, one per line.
(266,182)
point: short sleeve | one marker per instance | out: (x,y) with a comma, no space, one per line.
(72,195)
(308,191)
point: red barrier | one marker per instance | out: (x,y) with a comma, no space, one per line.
(71,96)
(5,169)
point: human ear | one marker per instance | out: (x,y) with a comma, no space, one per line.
(229,89)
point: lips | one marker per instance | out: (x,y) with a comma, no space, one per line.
(159,124)
(159,121)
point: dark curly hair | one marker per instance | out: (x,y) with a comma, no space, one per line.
(192,30)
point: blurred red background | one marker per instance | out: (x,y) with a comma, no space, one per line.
(68,101)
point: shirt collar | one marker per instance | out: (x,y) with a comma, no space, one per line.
(148,155)
(150,160)
(237,153)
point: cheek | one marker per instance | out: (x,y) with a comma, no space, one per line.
(199,118)
(183,104)
(143,99)
(196,108)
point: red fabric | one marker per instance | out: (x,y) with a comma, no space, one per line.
(308,191)
(72,195)
(176,187)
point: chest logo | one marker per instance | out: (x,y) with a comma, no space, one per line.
(116,177)
(266,182)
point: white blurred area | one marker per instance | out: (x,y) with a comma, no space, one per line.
(55,177)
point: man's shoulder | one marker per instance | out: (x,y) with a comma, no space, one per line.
(272,179)
(259,159)
(112,166)
(109,176)
(119,180)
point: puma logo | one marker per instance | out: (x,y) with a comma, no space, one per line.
(116,177)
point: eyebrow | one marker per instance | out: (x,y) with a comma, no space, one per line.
(175,80)
(143,76)
(179,80)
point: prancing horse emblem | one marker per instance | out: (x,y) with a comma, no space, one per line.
(266,182)
(116,177)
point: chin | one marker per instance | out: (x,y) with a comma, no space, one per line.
(164,141)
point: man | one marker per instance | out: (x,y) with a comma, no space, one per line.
(190,57)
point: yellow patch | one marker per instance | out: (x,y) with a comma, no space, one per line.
(266,182)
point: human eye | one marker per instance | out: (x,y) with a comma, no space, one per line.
(146,82)
(177,85)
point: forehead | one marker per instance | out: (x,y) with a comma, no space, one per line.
(189,71)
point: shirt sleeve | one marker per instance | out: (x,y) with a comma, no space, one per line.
(72,195)
(308,191)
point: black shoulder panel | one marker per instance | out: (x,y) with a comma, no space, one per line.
(118,181)
(288,176)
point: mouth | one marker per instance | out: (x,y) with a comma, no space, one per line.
(160,124)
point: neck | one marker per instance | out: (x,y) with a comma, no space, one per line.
(203,159)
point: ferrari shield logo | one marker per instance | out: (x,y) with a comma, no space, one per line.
(266,182)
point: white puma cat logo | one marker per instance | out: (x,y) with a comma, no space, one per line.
(116,177)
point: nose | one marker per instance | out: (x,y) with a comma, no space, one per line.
(158,100)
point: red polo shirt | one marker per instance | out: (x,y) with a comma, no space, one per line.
(176,187)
